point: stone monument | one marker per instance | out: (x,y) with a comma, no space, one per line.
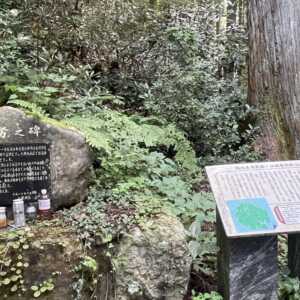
(35,154)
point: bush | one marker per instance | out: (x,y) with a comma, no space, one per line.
(212,110)
(208,296)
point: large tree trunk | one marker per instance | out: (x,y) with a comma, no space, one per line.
(274,70)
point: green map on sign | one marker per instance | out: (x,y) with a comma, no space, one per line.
(252,216)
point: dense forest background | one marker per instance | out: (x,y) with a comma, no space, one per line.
(183,62)
(159,88)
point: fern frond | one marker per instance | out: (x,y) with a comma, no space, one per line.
(92,129)
(110,131)
(30,107)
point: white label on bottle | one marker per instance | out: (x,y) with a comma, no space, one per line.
(44,204)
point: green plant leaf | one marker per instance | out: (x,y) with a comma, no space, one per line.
(36,294)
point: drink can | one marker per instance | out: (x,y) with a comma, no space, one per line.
(19,214)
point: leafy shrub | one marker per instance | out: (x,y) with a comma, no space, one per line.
(212,110)
(289,288)
(165,59)
(208,296)
(201,233)
(125,140)
(133,165)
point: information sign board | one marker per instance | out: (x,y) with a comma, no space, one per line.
(257,198)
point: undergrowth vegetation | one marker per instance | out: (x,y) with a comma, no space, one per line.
(157,93)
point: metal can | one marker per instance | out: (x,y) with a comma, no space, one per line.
(19,214)
(3,220)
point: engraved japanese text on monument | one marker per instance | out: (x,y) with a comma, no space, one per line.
(24,171)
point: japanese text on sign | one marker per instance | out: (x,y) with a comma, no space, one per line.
(257,198)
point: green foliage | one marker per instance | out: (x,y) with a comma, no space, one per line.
(136,180)
(86,276)
(127,141)
(168,87)
(282,252)
(104,217)
(42,288)
(88,264)
(208,296)
(289,288)
(16,248)
(127,198)
(12,261)
(169,61)
(39,89)
(201,233)
(211,109)
(28,106)
(11,60)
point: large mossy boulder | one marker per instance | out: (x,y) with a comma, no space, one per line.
(69,154)
(153,261)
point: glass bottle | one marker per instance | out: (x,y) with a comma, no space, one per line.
(44,210)
(31,212)
(3,219)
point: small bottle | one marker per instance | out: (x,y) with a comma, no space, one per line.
(31,212)
(44,205)
(19,214)
(3,219)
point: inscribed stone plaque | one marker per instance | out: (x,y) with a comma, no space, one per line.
(24,171)
(257,198)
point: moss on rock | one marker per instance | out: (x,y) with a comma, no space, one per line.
(40,261)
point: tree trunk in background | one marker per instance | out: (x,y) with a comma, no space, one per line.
(221,23)
(241,12)
(232,12)
(274,71)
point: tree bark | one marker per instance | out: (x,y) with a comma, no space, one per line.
(241,12)
(274,70)
(222,21)
(232,10)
